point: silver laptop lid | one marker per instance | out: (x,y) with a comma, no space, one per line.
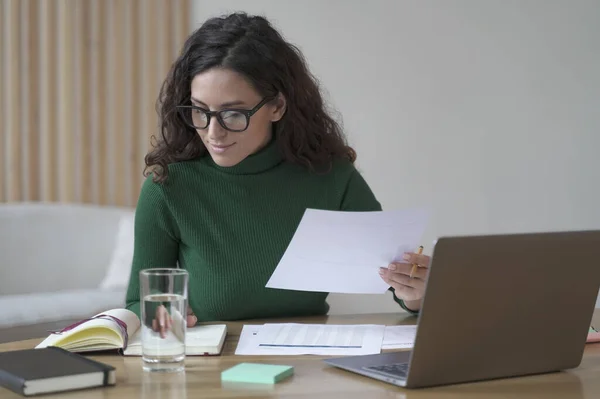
(506,305)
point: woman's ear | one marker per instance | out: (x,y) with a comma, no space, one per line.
(280,108)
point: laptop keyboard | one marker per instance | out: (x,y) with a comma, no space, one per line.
(398,370)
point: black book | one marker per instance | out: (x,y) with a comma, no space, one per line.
(52,369)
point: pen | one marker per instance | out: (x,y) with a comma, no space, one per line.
(414,266)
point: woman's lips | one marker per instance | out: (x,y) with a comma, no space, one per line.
(220,148)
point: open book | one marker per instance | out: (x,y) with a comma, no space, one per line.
(120,329)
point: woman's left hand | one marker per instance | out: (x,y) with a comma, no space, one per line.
(191,318)
(398,276)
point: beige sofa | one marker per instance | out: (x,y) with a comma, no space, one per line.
(62,261)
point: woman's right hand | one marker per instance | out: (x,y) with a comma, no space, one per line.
(163,322)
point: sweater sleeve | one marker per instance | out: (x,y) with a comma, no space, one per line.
(402,304)
(359,197)
(156,242)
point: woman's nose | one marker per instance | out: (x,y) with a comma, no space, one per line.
(215,130)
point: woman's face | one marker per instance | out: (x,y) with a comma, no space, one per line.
(223,89)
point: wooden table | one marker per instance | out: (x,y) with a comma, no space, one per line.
(314,379)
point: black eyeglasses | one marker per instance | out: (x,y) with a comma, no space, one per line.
(234,120)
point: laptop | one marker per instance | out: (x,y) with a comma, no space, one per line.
(497,306)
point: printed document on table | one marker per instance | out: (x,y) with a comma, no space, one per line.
(248,343)
(341,252)
(399,337)
(311,339)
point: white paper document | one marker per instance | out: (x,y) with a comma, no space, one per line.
(310,339)
(248,343)
(399,337)
(342,252)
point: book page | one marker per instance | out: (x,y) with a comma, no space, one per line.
(207,336)
(127,316)
(198,340)
(88,335)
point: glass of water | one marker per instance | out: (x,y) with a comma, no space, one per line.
(163,294)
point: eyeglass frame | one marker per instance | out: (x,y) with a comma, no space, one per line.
(209,114)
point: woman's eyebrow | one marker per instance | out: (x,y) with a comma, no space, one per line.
(224,105)
(232,104)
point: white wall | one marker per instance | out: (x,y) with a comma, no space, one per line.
(489,111)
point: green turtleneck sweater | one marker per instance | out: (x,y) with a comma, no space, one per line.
(229,226)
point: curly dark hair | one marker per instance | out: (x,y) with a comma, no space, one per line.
(250,45)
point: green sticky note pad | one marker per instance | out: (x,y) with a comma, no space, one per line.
(257,373)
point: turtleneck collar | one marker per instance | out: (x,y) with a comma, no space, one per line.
(262,160)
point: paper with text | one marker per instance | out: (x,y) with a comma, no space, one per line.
(341,252)
(310,339)
(399,337)
(248,342)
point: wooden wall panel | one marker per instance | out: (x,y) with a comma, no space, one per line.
(78,85)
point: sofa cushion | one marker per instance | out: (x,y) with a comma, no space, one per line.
(26,309)
(49,247)
(119,269)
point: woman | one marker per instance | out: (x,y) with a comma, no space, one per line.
(246,146)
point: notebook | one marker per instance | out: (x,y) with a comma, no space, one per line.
(593,335)
(37,371)
(119,329)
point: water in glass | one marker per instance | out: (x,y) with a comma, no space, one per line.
(164,353)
